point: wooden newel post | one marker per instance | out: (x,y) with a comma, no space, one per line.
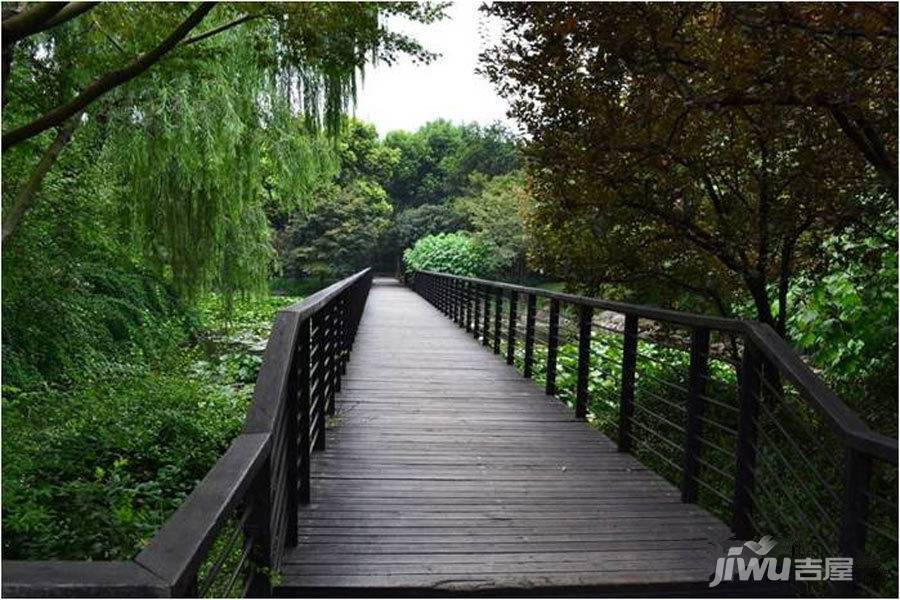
(346,299)
(585,316)
(751,365)
(530,316)
(498,307)
(697,376)
(511,329)
(629,366)
(857,480)
(552,345)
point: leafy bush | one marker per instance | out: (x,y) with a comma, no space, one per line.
(93,472)
(454,253)
(93,468)
(846,320)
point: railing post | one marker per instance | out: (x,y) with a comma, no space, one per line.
(455,312)
(751,363)
(695,408)
(530,315)
(448,291)
(486,325)
(629,365)
(498,307)
(450,297)
(453,300)
(585,317)
(467,286)
(346,299)
(511,331)
(458,308)
(552,345)
(476,300)
(259,529)
(852,543)
(331,316)
(321,382)
(291,445)
(303,470)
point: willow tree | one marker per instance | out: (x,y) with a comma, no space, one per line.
(205,109)
(700,148)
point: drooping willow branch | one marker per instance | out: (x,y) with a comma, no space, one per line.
(107,82)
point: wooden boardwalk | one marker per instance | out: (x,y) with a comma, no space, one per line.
(447,471)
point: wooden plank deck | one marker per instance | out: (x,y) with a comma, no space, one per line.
(447,471)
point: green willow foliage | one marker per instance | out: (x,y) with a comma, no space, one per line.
(195,158)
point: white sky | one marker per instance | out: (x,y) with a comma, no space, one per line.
(408,95)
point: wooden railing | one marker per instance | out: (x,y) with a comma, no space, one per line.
(229,535)
(724,408)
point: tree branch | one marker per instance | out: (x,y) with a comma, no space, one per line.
(13,218)
(28,22)
(869,143)
(219,29)
(72,10)
(102,85)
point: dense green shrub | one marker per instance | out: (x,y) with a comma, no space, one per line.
(455,253)
(93,468)
(92,473)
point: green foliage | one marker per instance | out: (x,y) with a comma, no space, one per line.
(195,167)
(847,321)
(91,470)
(76,300)
(454,253)
(437,160)
(363,156)
(221,131)
(688,173)
(494,215)
(414,223)
(340,236)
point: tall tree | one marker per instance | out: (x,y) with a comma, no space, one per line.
(65,61)
(646,174)
(210,132)
(436,160)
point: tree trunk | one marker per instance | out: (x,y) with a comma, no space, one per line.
(13,219)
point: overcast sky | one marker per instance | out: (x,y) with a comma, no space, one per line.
(406,95)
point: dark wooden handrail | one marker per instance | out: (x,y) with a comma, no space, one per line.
(255,488)
(767,362)
(644,312)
